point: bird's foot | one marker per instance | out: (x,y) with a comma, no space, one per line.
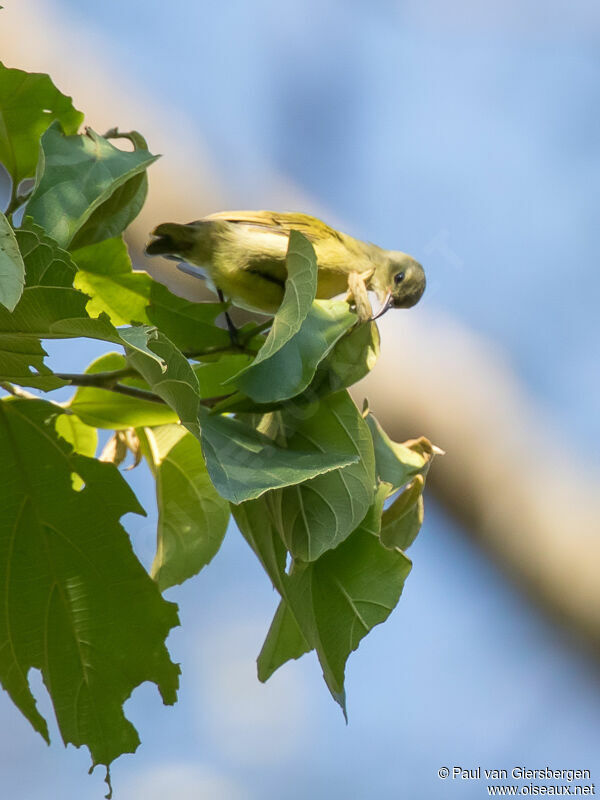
(234,334)
(357,294)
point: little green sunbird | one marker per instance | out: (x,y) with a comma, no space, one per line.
(242,255)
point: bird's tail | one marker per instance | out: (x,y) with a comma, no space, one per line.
(173,240)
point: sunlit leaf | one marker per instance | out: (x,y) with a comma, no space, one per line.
(82,438)
(397,463)
(192,517)
(127,296)
(105,274)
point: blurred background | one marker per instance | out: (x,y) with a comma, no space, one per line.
(467,134)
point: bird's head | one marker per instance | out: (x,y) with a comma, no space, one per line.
(399,283)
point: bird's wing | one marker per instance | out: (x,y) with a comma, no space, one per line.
(281,222)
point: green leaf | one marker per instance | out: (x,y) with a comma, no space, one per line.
(51,308)
(402,521)
(29,102)
(105,274)
(138,337)
(192,517)
(116,214)
(127,296)
(285,642)
(46,264)
(12,268)
(190,326)
(47,297)
(300,290)
(353,357)
(253,518)
(285,639)
(330,604)
(82,438)
(76,602)
(213,376)
(177,384)
(105,409)
(338,599)
(320,513)
(76,175)
(244,464)
(135,337)
(289,371)
(397,464)
(22,362)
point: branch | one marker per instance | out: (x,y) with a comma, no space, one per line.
(109,382)
(526,494)
(233,348)
(17,391)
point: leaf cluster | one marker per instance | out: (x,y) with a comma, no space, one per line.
(261,427)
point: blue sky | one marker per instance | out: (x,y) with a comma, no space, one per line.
(468,137)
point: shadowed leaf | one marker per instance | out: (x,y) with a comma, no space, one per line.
(76,602)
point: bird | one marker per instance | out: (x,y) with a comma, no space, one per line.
(242,255)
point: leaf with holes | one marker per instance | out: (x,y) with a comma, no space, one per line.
(76,176)
(29,102)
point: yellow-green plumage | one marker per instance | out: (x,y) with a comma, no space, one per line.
(243,254)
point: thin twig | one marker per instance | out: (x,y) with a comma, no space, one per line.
(211,351)
(256,330)
(108,381)
(16,201)
(17,391)
(102,380)
(229,348)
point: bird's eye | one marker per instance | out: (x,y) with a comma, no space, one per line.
(398,278)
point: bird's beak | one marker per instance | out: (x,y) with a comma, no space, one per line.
(386,305)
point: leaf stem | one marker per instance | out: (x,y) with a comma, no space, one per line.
(16,201)
(262,326)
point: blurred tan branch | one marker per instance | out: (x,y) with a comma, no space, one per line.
(531,499)
(509,475)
